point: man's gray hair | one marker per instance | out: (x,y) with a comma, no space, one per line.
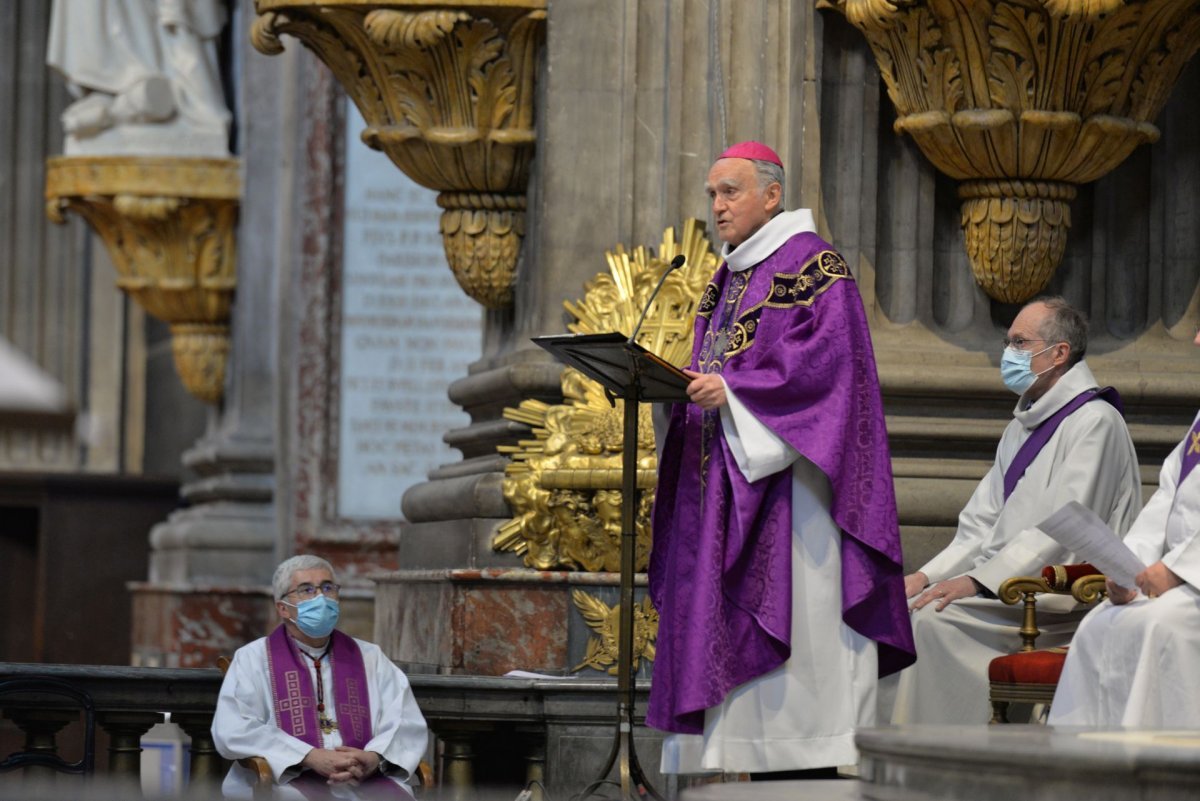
(1065,324)
(769,173)
(282,580)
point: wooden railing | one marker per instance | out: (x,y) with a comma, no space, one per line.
(460,710)
(128,702)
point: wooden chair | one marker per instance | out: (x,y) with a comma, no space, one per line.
(1031,675)
(264,780)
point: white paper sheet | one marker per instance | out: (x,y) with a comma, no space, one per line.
(1079,530)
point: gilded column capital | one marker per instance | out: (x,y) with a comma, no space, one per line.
(168,224)
(446,89)
(1024,100)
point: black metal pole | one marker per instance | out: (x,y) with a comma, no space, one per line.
(634,785)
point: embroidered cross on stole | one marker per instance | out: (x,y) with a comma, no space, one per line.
(1191,453)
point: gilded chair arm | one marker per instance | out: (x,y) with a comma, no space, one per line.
(1089,589)
(1027,588)
(1014,589)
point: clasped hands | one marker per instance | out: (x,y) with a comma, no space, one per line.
(1153,582)
(706,390)
(342,765)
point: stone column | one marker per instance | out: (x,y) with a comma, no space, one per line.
(233,534)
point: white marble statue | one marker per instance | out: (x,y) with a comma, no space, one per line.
(145,74)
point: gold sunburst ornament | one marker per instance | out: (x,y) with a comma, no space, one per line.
(564,484)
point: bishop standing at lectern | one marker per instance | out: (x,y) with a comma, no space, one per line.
(776,567)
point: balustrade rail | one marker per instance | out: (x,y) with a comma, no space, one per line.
(461,711)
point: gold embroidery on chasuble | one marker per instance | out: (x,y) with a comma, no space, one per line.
(1195,446)
(788,290)
(712,350)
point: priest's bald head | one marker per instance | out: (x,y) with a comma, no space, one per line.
(1046,339)
(745,185)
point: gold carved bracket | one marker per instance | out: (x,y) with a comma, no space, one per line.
(1023,100)
(168,224)
(447,90)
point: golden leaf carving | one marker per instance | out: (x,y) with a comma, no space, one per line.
(263,33)
(602,649)
(1036,94)
(1081,8)
(168,225)
(393,30)
(447,93)
(146,208)
(563,485)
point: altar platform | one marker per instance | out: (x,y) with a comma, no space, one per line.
(998,763)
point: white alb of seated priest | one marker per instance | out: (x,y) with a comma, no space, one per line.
(327,711)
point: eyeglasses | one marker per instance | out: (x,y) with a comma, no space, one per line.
(1019,342)
(306,592)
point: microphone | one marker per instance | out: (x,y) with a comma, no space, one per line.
(676,263)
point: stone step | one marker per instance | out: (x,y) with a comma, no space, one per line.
(819,790)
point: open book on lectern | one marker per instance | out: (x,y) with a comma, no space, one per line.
(616,363)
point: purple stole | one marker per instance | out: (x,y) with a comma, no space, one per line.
(1191,451)
(295,704)
(1041,435)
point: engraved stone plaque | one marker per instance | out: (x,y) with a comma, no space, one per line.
(407,332)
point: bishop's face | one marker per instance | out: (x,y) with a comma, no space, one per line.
(739,205)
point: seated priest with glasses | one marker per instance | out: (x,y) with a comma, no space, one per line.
(333,717)
(1067,442)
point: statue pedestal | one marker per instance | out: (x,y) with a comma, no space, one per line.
(487,622)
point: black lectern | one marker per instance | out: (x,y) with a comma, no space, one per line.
(628,371)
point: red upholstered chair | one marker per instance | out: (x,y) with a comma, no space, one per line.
(1030,676)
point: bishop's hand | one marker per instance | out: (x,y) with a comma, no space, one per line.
(706,390)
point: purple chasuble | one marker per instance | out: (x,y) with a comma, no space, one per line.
(1191,452)
(1041,435)
(295,703)
(790,338)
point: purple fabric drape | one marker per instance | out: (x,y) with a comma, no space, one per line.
(790,338)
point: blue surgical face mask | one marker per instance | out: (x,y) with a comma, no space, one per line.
(1015,370)
(316,617)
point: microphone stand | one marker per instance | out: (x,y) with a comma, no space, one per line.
(633,781)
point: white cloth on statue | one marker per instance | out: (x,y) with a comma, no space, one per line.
(1138,664)
(802,714)
(107,49)
(1090,459)
(245,725)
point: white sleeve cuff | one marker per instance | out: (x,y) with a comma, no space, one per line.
(758,451)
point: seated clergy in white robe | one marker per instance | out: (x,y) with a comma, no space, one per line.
(1064,444)
(1135,660)
(333,717)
